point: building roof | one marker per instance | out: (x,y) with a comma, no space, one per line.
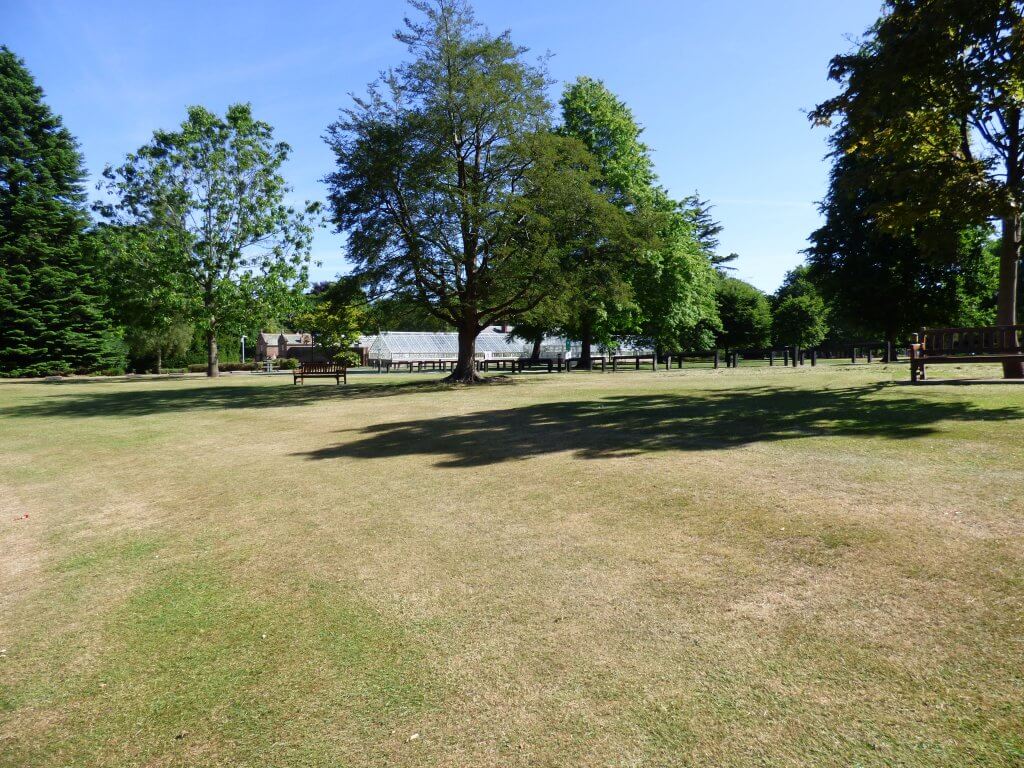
(292,338)
(270,338)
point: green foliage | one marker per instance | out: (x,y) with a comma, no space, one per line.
(932,111)
(799,313)
(660,285)
(451,189)
(148,294)
(799,320)
(212,197)
(400,313)
(335,315)
(607,128)
(706,230)
(883,282)
(676,285)
(745,313)
(53,315)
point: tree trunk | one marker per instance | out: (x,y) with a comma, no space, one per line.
(465,366)
(535,354)
(1006,308)
(159,359)
(212,357)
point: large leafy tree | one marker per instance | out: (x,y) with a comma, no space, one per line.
(150,296)
(881,282)
(675,283)
(334,314)
(212,191)
(450,186)
(935,93)
(660,285)
(52,311)
(799,313)
(601,303)
(746,315)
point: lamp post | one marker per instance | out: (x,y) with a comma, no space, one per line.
(243,350)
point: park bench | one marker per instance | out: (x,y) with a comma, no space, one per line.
(995,344)
(336,371)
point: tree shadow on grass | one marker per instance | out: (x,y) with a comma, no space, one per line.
(629,425)
(132,401)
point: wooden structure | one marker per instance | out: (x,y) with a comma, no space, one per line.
(994,344)
(636,360)
(415,365)
(540,362)
(336,371)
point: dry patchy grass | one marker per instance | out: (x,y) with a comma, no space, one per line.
(750,567)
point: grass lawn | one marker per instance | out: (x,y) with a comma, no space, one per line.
(817,567)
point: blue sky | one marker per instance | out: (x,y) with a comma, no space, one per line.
(721,86)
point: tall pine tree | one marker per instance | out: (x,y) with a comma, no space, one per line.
(52,316)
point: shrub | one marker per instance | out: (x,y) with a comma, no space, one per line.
(288,363)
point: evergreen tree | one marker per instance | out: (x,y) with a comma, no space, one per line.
(52,314)
(706,229)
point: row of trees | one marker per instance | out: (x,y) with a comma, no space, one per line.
(466,199)
(194,239)
(469,199)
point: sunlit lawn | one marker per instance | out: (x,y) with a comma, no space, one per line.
(724,568)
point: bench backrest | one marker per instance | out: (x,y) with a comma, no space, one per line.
(997,339)
(321,367)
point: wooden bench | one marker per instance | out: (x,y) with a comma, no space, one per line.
(995,344)
(336,371)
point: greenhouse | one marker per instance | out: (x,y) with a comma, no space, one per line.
(400,346)
(491,344)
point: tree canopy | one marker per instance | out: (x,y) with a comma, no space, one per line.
(450,185)
(746,315)
(211,194)
(53,313)
(933,95)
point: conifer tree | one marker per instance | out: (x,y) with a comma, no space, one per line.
(52,311)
